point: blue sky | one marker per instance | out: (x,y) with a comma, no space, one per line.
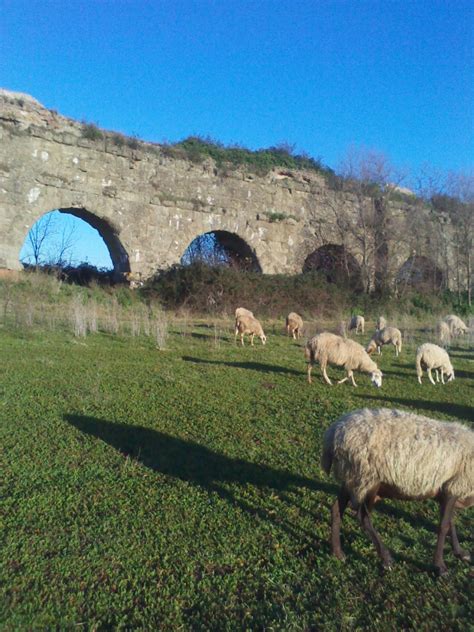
(323,75)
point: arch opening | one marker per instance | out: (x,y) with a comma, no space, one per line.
(221,248)
(420,273)
(74,239)
(336,264)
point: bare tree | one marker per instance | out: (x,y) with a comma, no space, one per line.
(51,241)
(373,182)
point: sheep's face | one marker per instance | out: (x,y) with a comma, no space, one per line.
(376,378)
(451,376)
(263,338)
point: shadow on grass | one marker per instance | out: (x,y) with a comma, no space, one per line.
(455,410)
(253,366)
(198,465)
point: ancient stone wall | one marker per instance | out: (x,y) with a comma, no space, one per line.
(148,206)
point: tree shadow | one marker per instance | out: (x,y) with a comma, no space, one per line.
(448,408)
(200,466)
(253,366)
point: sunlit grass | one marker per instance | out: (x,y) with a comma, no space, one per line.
(181,488)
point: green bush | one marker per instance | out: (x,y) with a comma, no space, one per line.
(91,131)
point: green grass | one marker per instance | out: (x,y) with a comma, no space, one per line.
(181,489)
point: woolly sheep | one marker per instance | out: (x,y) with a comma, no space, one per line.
(327,348)
(241,311)
(357,323)
(430,356)
(385,336)
(381,323)
(294,325)
(249,325)
(456,325)
(382,453)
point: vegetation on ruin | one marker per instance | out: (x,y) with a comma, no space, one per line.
(181,488)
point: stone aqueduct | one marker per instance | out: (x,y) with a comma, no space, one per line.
(148,206)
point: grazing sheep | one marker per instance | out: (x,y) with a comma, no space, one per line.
(382,453)
(241,311)
(443,333)
(357,323)
(381,323)
(385,336)
(327,348)
(456,325)
(430,356)
(249,325)
(294,325)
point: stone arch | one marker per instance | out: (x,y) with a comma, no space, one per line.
(335,262)
(221,247)
(118,254)
(420,272)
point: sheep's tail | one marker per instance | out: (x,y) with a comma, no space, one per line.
(310,353)
(326,457)
(328,449)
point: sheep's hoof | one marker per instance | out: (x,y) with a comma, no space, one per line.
(441,571)
(387,564)
(465,556)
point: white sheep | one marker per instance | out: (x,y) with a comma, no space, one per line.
(382,453)
(429,356)
(327,348)
(242,311)
(456,325)
(381,323)
(385,336)
(357,323)
(251,326)
(294,325)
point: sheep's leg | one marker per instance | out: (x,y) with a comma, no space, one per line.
(437,376)
(447,508)
(457,550)
(379,349)
(431,377)
(442,377)
(310,368)
(337,513)
(242,339)
(366,523)
(325,376)
(251,339)
(236,334)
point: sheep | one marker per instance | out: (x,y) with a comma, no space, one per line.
(385,336)
(443,333)
(249,325)
(357,323)
(327,348)
(456,325)
(430,356)
(241,311)
(381,323)
(383,453)
(294,325)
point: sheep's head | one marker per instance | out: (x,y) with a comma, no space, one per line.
(263,338)
(451,375)
(376,378)
(371,347)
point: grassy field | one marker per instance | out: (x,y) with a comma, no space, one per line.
(181,489)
